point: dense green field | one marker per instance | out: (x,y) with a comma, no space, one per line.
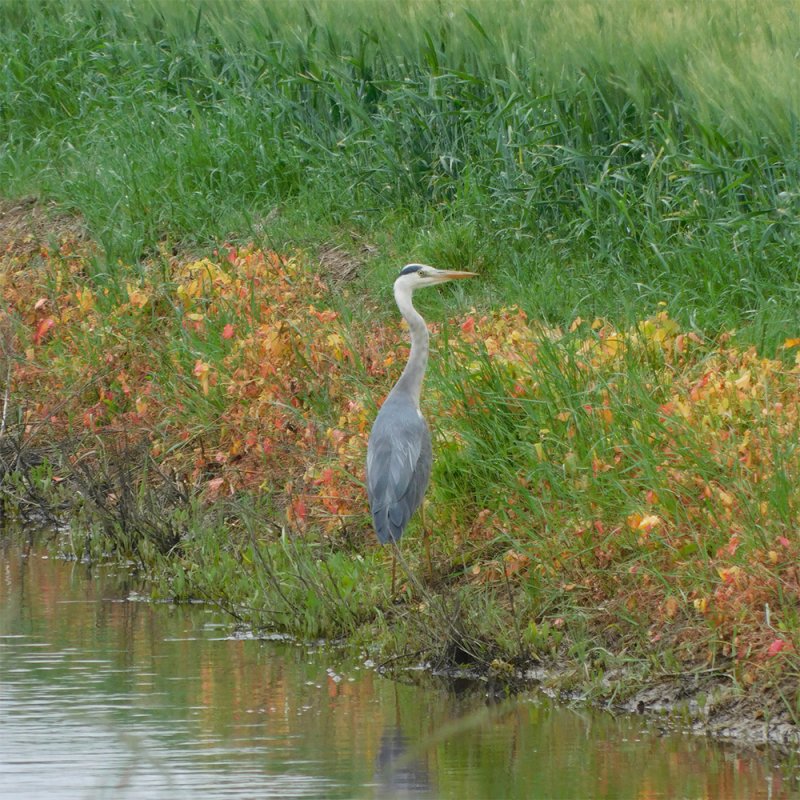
(589,158)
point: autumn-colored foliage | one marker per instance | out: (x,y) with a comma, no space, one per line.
(642,475)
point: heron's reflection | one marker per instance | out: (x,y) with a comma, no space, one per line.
(401,766)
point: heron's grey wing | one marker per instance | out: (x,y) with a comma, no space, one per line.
(398,470)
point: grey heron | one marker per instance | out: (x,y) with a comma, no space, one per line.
(399,455)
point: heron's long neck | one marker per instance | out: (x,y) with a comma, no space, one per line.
(411,379)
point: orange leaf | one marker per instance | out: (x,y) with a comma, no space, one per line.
(671,606)
(299,509)
(228,332)
(201,371)
(136,297)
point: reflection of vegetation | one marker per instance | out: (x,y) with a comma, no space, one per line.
(613,483)
(271,706)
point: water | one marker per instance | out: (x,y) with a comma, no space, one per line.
(103,696)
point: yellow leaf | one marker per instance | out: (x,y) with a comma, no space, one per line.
(701,604)
(336,343)
(201,372)
(613,344)
(634,521)
(274,345)
(725,498)
(789,343)
(85,299)
(649,522)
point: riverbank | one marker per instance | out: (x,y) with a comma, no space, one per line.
(605,503)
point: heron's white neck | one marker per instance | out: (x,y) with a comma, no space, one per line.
(410,381)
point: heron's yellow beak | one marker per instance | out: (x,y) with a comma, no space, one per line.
(454,275)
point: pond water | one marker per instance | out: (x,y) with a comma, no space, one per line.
(102,695)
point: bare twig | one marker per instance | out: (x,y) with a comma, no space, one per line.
(6,394)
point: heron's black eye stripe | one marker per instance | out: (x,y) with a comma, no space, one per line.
(411,268)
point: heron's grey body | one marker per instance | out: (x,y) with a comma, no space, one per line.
(399,453)
(399,459)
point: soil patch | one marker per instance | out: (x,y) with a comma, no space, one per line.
(339,265)
(28,223)
(719,709)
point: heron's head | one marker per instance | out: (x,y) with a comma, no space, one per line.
(416,276)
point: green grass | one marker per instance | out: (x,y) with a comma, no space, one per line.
(589,159)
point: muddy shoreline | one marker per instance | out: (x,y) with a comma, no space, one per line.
(704,705)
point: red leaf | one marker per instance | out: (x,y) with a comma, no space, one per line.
(228,332)
(214,488)
(41,330)
(777,646)
(326,478)
(300,510)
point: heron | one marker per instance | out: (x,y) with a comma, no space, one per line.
(399,454)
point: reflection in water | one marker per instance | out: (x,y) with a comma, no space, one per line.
(400,771)
(100,697)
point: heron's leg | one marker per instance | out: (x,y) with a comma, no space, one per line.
(394,569)
(426,541)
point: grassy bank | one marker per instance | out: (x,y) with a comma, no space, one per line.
(198,340)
